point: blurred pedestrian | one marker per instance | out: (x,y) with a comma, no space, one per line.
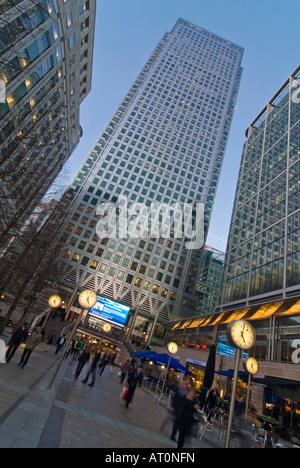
(2,352)
(124,370)
(33,341)
(185,420)
(50,340)
(211,403)
(103,363)
(78,347)
(176,405)
(82,360)
(18,337)
(112,363)
(92,369)
(60,344)
(70,348)
(240,408)
(135,378)
(246,428)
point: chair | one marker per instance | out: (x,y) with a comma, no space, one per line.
(206,426)
(262,435)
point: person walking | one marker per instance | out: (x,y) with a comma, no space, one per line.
(60,344)
(82,360)
(112,363)
(18,337)
(70,349)
(103,363)
(49,340)
(33,341)
(176,405)
(185,420)
(92,369)
(135,378)
(78,347)
(2,352)
(211,403)
(124,370)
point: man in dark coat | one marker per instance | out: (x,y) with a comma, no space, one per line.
(135,377)
(92,369)
(82,360)
(176,405)
(18,337)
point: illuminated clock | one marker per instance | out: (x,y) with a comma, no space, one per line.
(87,299)
(106,327)
(251,365)
(54,301)
(172,348)
(240,334)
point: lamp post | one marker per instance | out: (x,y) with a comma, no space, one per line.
(172,348)
(87,299)
(241,336)
(252,367)
(54,301)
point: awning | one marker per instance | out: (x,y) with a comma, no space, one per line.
(230,373)
(162,359)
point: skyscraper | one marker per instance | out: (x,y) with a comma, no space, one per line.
(262,260)
(46,55)
(210,280)
(165,144)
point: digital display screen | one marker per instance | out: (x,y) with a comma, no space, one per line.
(110,311)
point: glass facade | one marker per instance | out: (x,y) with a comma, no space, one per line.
(44,86)
(164,144)
(263,249)
(209,282)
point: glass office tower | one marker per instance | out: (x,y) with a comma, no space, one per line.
(46,56)
(164,144)
(263,252)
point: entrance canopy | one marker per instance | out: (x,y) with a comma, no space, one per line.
(230,373)
(162,360)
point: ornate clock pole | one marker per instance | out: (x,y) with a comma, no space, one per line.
(87,299)
(241,336)
(252,367)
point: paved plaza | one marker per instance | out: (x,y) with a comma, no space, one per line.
(74,415)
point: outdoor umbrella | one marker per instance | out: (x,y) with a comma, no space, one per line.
(144,355)
(208,375)
(162,359)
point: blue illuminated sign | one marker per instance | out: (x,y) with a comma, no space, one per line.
(228,351)
(110,311)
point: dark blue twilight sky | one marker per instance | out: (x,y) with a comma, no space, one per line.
(127,31)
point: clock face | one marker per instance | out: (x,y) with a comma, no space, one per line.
(54,301)
(106,327)
(240,334)
(173,348)
(87,299)
(251,366)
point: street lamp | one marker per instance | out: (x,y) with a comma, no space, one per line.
(87,299)
(172,348)
(106,327)
(240,335)
(54,301)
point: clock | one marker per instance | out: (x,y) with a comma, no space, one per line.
(251,365)
(172,348)
(87,299)
(106,327)
(240,334)
(54,301)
